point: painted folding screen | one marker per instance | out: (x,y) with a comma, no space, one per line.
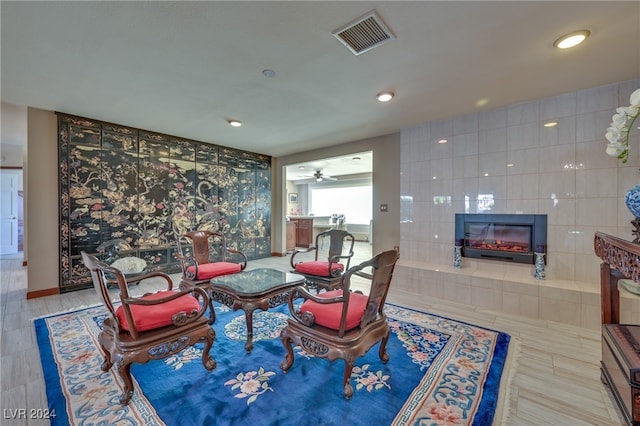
(147,188)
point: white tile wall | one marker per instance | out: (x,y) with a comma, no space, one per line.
(560,171)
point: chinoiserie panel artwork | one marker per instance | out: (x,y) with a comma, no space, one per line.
(146,188)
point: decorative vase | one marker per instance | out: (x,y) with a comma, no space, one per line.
(457,255)
(632,200)
(539,273)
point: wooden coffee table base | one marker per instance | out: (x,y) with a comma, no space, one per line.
(248,304)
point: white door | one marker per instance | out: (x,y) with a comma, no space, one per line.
(8,213)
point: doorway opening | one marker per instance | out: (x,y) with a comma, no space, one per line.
(333,191)
(11,211)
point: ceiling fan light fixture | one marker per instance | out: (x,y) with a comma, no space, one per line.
(385,96)
(571,39)
(234,123)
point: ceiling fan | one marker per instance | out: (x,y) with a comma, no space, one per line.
(320,177)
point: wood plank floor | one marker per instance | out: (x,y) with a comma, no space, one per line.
(555,381)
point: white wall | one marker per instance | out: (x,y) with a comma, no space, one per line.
(560,171)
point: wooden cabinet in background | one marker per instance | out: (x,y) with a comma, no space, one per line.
(291,236)
(304,232)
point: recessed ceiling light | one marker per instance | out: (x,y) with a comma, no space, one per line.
(235,123)
(385,96)
(571,39)
(443,141)
(482,102)
(550,124)
(269,73)
(356,158)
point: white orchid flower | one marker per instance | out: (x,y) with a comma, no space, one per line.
(619,119)
(634,99)
(613,135)
(614,150)
(621,123)
(630,110)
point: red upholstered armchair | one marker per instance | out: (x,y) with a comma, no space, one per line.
(332,252)
(153,326)
(204,255)
(341,323)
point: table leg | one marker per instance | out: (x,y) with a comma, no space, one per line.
(248,314)
(212,312)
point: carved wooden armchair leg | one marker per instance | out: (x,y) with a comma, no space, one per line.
(286,364)
(107,363)
(384,355)
(124,370)
(346,378)
(207,360)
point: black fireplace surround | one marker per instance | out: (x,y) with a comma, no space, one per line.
(505,237)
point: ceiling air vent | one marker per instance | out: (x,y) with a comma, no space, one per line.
(364,33)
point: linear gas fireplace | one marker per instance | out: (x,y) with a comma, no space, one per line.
(506,237)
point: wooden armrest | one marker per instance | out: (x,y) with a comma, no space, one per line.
(304,250)
(176,295)
(139,278)
(334,259)
(181,318)
(243,257)
(302,292)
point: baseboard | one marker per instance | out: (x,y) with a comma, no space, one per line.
(42,293)
(278,254)
(24,263)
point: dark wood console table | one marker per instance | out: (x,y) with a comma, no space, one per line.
(620,365)
(620,259)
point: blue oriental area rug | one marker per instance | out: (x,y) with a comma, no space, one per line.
(441,372)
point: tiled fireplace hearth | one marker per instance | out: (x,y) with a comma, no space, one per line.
(506,287)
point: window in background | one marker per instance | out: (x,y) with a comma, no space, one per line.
(354,202)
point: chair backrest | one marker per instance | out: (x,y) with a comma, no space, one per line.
(340,243)
(206,246)
(100,283)
(382,266)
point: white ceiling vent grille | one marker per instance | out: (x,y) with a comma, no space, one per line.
(364,33)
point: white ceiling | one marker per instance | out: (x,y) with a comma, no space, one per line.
(184,68)
(360,164)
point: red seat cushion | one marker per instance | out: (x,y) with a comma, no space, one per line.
(215,269)
(149,317)
(329,315)
(318,268)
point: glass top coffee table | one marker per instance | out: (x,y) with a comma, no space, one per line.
(261,288)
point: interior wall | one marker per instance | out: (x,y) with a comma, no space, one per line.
(41,195)
(386,187)
(561,171)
